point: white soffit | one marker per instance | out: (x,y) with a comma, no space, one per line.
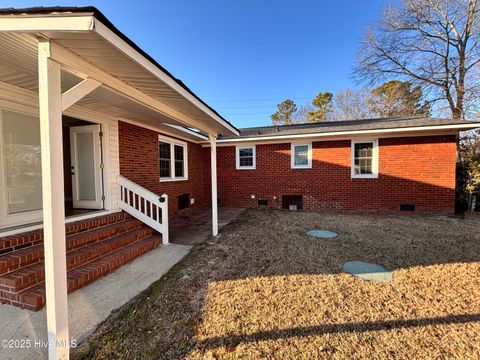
(87,37)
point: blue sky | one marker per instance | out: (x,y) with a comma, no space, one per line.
(244,57)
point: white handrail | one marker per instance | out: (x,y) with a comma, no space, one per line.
(144,205)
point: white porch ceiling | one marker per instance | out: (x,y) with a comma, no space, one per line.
(19,68)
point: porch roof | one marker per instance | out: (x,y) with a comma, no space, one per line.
(88,46)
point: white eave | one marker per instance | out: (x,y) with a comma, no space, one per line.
(86,36)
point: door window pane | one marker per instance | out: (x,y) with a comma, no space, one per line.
(22,162)
(85,170)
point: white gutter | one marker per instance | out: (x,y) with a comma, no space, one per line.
(351,132)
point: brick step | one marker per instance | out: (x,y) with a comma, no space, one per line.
(79,240)
(30,238)
(25,257)
(33,298)
(28,276)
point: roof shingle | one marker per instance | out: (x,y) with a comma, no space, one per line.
(347,125)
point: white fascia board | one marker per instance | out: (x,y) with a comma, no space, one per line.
(336,134)
(128,50)
(44,22)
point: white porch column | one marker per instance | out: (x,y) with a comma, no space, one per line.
(49,87)
(213,162)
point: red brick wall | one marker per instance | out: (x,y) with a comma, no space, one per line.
(139,163)
(415,170)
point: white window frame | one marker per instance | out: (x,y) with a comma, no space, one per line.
(292,156)
(374,174)
(172,143)
(237,157)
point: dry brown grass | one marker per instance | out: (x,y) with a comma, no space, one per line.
(267,290)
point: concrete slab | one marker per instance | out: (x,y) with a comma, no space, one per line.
(90,305)
(368,271)
(195,226)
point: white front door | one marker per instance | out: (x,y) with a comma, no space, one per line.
(85,142)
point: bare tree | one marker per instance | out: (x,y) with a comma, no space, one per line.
(353,104)
(431,43)
(301,116)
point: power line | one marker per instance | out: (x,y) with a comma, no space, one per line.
(235,114)
(272,99)
(245,107)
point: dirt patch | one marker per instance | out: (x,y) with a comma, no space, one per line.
(264,289)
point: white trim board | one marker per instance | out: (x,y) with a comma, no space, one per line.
(348,135)
(47,22)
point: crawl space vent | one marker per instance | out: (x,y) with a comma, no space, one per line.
(407,207)
(262,202)
(183,201)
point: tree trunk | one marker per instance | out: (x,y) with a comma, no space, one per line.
(456,113)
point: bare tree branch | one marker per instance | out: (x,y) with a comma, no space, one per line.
(431,43)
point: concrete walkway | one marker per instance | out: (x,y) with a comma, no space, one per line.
(90,305)
(195,226)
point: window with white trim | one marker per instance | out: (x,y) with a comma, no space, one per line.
(172,159)
(365,159)
(245,157)
(301,156)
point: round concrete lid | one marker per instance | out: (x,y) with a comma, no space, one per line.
(322,233)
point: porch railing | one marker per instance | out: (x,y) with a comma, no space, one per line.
(144,205)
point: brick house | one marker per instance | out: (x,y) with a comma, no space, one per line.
(103,145)
(377,165)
